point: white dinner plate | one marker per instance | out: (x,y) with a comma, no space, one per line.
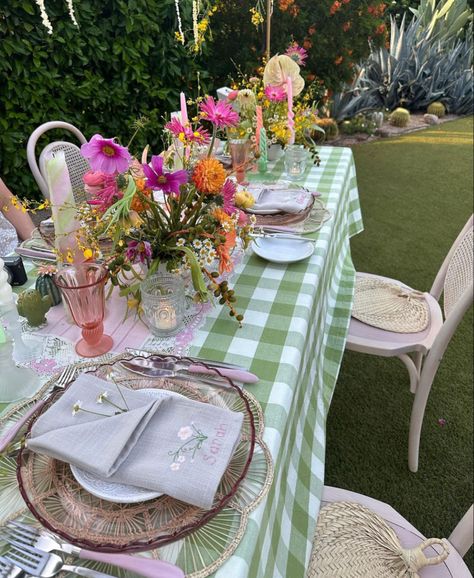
(282,250)
(114,492)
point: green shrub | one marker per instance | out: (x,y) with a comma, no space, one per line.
(121,63)
(358,124)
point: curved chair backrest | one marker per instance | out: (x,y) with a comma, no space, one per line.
(455,276)
(77,165)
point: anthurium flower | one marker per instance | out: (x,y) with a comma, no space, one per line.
(281,67)
(105,155)
(158,179)
(219,113)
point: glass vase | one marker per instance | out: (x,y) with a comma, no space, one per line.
(82,287)
(164,303)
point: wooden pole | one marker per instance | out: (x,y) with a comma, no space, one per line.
(269,27)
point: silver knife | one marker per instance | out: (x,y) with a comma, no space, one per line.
(169,368)
(211,362)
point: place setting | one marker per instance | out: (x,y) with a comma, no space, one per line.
(116,448)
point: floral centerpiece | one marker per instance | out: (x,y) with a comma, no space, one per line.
(264,101)
(154,214)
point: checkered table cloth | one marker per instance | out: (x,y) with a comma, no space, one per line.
(293,338)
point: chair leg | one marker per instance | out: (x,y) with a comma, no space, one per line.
(428,373)
(412,371)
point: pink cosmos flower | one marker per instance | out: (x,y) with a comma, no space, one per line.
(297,53)
(138,251)
(186,133)
(102,188)
(228,193)
(106,155)
(275,93)
(157,178)
(220,113)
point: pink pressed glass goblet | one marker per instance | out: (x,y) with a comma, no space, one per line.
(82,287)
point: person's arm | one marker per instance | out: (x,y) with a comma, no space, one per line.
(21,221)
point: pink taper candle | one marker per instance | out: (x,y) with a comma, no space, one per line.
(184,109)
(291,114)
(259,112)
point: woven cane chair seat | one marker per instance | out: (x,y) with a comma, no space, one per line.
(390,306)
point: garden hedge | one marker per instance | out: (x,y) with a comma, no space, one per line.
(121,63)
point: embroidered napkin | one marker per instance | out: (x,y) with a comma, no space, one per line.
(280,199)
(172,445)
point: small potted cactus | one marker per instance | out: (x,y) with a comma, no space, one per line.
(45,284)
(400,117)
(437,108)
(32,305)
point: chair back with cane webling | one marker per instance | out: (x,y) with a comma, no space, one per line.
(77,165)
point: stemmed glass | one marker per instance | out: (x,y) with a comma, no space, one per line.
(82,287)
(239,149)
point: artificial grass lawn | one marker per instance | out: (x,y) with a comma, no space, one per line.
(416,194)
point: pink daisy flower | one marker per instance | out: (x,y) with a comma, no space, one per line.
(157,178)
(228,193)
(275,93)
(297,53)
(106,155)
(138,251)
(186,133)
(220,113)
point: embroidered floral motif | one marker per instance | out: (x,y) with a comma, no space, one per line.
(193,439)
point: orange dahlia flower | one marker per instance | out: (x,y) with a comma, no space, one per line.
(209,176)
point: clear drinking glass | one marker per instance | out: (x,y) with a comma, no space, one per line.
(239,150)
(82,287)
(296,157)
(164,303)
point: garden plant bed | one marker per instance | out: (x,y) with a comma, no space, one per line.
(416,122)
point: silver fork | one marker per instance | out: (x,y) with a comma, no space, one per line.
(22,535)
(66,376)
(46,565)
(9,570)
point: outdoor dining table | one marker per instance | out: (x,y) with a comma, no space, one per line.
(296,318)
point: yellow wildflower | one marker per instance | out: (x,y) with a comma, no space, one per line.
(88,254)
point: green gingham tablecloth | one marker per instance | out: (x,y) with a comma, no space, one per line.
(293,338)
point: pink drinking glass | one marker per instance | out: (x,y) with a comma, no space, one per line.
(82,287)
(239,150)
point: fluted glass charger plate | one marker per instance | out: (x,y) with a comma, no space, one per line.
(61,504)
(282,250)
(114,492)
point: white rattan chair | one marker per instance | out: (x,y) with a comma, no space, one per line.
(460,539)
(77,165)
(422,352)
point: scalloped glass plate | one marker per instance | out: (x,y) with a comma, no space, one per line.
(61,504)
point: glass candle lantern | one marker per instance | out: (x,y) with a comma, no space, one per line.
(164,303)
(296,158)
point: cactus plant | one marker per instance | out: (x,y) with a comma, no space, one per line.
(399,117)
(45,284)
(32,305)
(329,125)
(437,108)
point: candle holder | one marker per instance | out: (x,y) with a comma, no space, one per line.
(296,157)
(164,303)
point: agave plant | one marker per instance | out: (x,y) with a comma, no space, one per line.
(427,60)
